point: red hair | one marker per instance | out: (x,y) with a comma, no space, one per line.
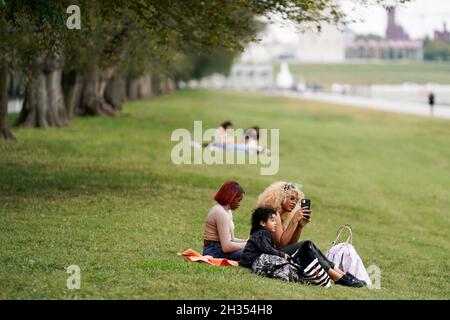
(227,192)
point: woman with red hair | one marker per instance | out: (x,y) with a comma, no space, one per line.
(219,240)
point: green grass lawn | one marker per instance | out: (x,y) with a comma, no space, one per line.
(103,194)
(373,73)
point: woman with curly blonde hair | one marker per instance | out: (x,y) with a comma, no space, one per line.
(283,197)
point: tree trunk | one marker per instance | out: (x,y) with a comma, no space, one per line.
(56,111)
(74,96)
(163,86)
(116,92)
(44,103)
(5,132)
(140,87)
(145,86)
(167,86)
(93,98)
(34,109)
(133,88)
(171,86)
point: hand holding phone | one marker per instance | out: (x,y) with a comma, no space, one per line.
(306,203)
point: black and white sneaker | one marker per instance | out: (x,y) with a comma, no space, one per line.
(356,279)
(349,280)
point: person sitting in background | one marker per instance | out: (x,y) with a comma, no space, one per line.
(251,136)
(222,137)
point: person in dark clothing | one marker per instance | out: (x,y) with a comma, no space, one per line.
(431,102)
(260,241)
(261,256)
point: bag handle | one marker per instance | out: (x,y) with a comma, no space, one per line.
(338,234)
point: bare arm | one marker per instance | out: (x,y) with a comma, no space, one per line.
(227,241)
(234,239)
(283,237)
(303,218)
(296,234)
(293,231)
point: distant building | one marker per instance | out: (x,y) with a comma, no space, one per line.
(327,46)
(442,35)
(397,45)
(385,50)
(393,30)
(250,76)
(336,45)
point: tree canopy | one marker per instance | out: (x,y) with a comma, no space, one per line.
(127,39)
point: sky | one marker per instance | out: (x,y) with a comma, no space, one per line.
(418,18)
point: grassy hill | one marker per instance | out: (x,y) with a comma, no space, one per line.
(103,194)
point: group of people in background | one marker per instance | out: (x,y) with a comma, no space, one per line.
(273,248)
(249,143)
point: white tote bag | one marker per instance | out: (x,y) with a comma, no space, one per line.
(345,257)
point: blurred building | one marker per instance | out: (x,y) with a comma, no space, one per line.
(309,46)
(393,30)
(385,50)
(442,35)
(250,76)
(396,46)
(336,45)
(241,77)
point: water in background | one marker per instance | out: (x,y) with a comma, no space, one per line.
(405,92)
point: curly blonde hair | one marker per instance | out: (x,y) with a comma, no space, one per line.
(274,194)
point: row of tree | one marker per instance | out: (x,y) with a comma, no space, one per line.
(436,50)
(123,49)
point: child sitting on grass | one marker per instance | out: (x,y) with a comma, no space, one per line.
(261,256)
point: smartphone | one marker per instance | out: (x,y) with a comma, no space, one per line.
(305,203)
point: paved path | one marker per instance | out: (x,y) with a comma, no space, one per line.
(371,103)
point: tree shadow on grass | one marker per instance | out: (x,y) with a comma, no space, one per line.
(41,180)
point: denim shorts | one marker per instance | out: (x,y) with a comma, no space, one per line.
(215,250)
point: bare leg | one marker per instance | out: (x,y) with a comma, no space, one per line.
(334,275)
(339,270)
